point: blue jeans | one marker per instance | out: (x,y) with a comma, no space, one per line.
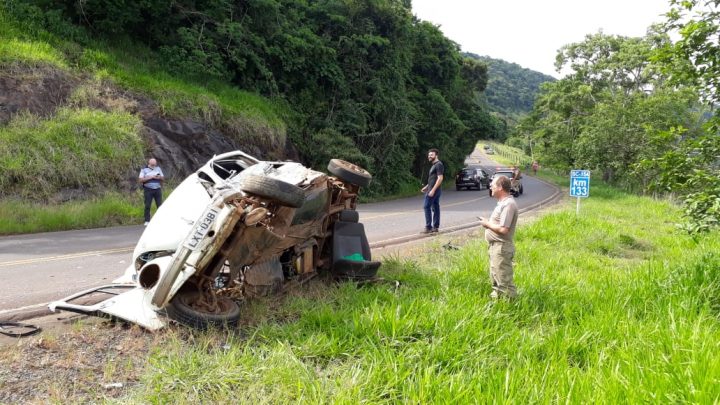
(432,210)
(150,195)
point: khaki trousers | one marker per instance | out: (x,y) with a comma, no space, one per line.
(501,270)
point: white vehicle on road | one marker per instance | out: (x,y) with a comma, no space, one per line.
(238,227)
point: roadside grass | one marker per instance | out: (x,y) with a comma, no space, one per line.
(111,209)
(507,155)
(75,149)
(554,178)
(614,306)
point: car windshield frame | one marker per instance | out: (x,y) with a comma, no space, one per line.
(507,174)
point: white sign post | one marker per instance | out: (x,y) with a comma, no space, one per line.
(579,186)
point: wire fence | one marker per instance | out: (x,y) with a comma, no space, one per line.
(510,155)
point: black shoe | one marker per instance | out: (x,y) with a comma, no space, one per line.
(435,230)
(427,230)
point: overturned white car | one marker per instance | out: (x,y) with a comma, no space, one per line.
(237,227)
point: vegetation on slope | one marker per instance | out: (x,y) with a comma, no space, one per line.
(27,42)
(77,148)
(362,81)
(511,89)
(72,123)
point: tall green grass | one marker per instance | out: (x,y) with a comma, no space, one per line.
(16,48)
(75,149)
(134,67)
(29,52)
(614,306)
(111,209)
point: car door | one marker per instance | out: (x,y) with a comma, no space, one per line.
(484,178)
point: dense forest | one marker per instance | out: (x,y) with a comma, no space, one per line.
(361,80)
(511,88)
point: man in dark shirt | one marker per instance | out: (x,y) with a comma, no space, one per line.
(433,191)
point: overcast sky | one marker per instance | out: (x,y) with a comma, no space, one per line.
(529,32)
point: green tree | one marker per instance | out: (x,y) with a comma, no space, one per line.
(692,168)
(607,114)
(362,79)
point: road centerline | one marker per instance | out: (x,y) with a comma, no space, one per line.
(65,257)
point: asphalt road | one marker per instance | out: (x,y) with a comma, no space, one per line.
(38,268)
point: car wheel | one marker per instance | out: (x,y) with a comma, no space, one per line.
(521,189)
(349,172)
(278,190)
(184,308)
(457,188)
(490,193)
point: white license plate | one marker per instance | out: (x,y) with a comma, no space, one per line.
(201,228)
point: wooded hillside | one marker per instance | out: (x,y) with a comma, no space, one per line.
(511,88)
(364,81)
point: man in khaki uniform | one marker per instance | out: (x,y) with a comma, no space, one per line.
(499,232)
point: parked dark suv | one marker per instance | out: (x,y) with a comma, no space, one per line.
(472,178)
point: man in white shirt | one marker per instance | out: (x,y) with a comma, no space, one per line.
(151,177)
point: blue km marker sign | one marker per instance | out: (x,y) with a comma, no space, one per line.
(579,183)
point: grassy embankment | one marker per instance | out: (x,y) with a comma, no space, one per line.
(81,147)
(615,306)
(507,155)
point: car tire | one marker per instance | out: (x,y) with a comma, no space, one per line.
(521,189)
(181,310)
(349,172)
(285,193)
(458,188)
(490,193)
